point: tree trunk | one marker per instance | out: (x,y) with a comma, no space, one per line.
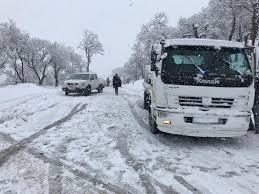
(255,28)
(56,78)
(17,71)
(195,30)
(88,63)
(88,67)
(41,81)
(233,28)
(240,34)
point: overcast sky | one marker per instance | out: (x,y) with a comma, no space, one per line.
(117,22)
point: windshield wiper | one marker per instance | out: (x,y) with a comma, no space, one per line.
(230,66)
(195,64)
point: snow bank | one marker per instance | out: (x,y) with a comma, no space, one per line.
(17,91)
(135,87)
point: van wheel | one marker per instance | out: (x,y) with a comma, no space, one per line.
(152,123)
(66,93)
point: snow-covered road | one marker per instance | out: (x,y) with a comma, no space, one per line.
(51,143)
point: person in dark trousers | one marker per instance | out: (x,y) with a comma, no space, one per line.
(108,82)
(116,82)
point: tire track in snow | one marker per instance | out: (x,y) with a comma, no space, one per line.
(55,172)
(19,98)
(12,150)
(122,146)
(187,185)
(78,172)
(179,179)
(9,116)
(21,101)
(56,184)
(55,178)
(146,179)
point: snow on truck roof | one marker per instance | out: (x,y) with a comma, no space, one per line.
(203,42)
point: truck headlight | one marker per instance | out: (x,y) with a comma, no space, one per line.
(167,122)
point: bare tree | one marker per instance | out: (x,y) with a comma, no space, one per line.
(91,46)
(234,19)
(59,60)
(14,45)
(253,8)
(39,58)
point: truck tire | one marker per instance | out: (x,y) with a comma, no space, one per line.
(152,123)
(100,89)
(251,125)
(88,91)
(145,101)
(256,118)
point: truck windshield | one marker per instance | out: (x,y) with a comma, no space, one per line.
(79,76)
(188,62)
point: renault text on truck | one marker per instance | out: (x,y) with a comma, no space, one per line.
(200,88)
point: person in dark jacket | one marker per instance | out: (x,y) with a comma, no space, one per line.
(116,82)
(108,82)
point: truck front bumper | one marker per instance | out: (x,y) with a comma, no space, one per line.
(73,90)
(197,123)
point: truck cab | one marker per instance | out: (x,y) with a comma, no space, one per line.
(201,88)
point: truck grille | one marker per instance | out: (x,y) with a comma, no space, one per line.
(198,102)
(72,84)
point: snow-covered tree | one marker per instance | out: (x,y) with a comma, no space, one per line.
(90,45)
(60,60)
(150,33)
(14,45)
(39,57)
(77,63)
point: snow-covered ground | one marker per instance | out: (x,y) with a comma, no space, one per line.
(51,143)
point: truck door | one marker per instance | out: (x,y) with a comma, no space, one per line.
(256,102)
(96,84)
(92,82)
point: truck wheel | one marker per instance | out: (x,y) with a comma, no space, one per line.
(88,91)
(256,118)
(152,123)
(100,89)
(145,101)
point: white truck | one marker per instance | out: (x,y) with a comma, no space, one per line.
(83,83)
(199,87)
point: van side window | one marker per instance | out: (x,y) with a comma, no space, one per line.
(92,77)
(95,76)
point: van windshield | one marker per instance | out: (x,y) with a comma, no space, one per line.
(80,76)
(187,62)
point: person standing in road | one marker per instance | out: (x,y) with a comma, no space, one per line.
(116,82)
(108,82)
